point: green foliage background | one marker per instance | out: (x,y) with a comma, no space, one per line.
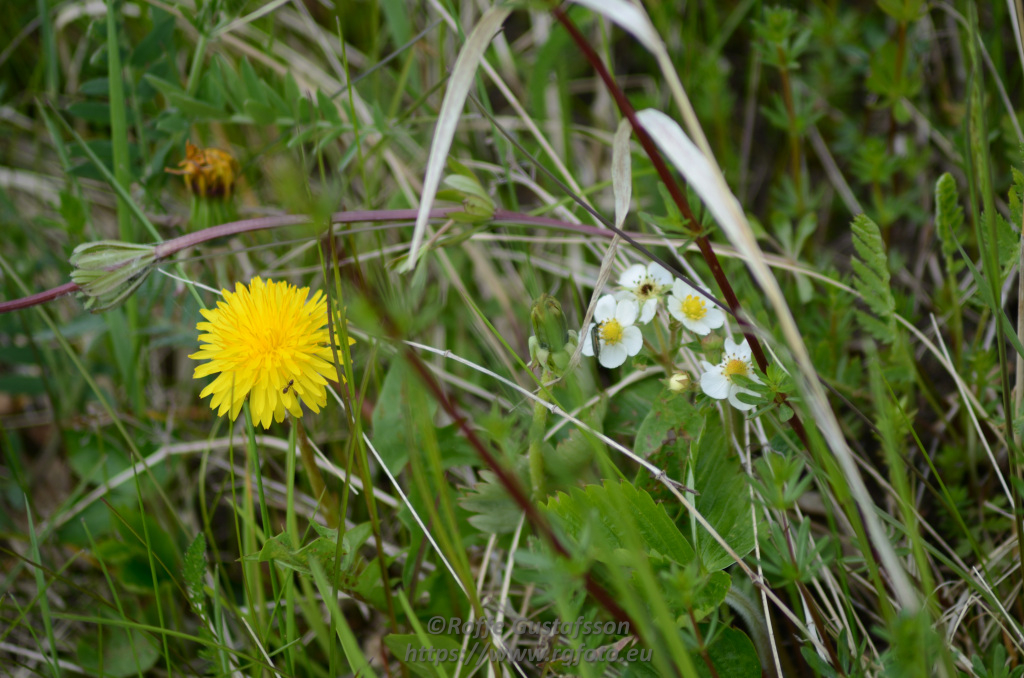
(876,150)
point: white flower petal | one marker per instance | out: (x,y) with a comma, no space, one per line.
(633,276)
(708,366)
(682,290)
(659,274)
(741,350)
(715,384)
(696,326)
(626,312)
(624,295)
(648,310)
(612,356)
(736,402)
(632,340)
(605,308)
(675,307)
(588,344)
(714,318)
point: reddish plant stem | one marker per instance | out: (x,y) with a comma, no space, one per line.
(38,298)
(703,244)
(171,247)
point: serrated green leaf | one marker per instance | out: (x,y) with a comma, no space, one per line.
(724,500)
(671,412)
(612,512)
(495,512)
(710,596)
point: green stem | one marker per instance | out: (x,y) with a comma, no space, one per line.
(537,428)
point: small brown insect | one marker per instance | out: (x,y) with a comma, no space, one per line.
(595,339)
(290,382)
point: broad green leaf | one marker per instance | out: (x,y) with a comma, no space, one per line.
(166,554)
(732,654)
(394,426)
(125,653)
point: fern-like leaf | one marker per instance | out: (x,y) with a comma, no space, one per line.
(949,221)
(871,279)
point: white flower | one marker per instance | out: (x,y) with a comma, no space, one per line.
(717,379)
(691,308)
(617,336)
(644,284)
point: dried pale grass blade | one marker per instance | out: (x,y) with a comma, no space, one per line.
(622,172)
(707,180)
(633,18)
(630,17)
(448,119)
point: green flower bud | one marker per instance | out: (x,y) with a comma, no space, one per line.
(109,271)
(549,324)
(553,343)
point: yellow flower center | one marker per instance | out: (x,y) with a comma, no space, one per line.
(693,307)
(735,366)
(611,331)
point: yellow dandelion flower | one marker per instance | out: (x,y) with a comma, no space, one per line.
(269,340)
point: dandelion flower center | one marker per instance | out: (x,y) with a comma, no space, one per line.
(693,307)
(267,341)
(735,366)
(611,331)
